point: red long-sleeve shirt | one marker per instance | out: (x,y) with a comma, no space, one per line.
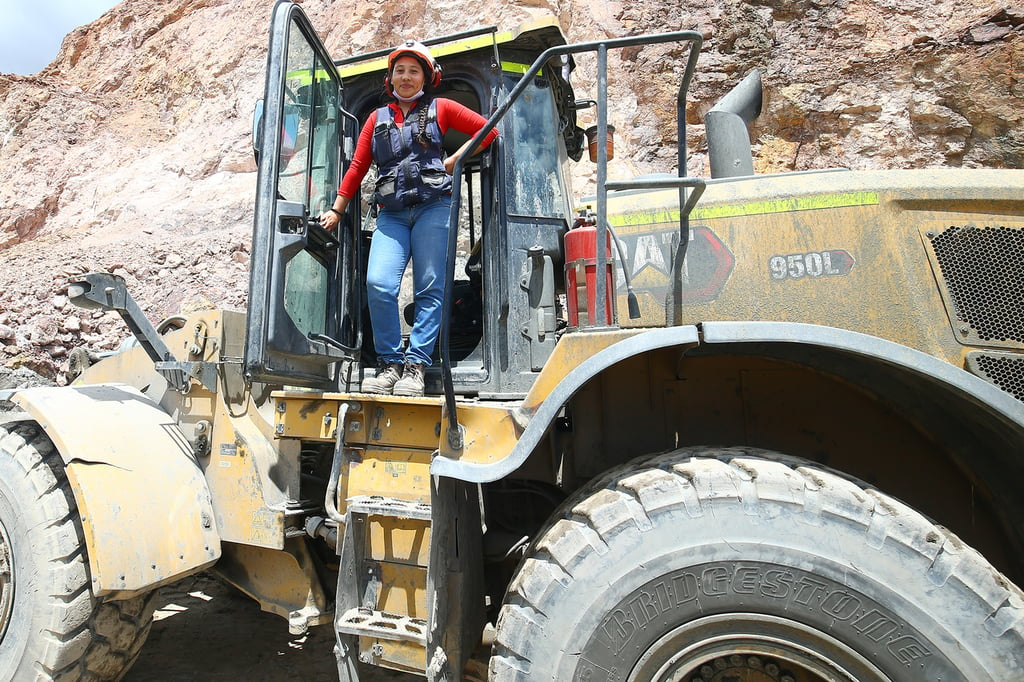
(450,114)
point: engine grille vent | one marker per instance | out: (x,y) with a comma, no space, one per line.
(983,272)
(1005,370)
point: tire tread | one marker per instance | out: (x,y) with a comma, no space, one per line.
(83,639)
(690,481)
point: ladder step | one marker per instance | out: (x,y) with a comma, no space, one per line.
(388,506)
(365,622)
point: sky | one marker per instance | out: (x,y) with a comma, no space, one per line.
(31,31)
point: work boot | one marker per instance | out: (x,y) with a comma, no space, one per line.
(383,382)
(411,383)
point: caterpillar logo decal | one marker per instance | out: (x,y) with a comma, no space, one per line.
(706,268)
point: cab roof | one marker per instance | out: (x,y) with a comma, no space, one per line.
(533,36)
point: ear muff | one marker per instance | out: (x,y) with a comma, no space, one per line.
(436,80)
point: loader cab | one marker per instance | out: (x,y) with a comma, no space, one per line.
(308,324)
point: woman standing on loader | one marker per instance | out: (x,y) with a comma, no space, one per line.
(413,194)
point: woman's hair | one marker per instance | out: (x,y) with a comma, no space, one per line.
(421,124)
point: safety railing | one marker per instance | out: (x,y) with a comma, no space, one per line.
(690,189)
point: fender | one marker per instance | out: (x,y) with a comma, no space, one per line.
(145,507)
(557,383)
(983,394)
(957,407)
(555,386)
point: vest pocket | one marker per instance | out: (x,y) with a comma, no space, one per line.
(433,177)
(385,186)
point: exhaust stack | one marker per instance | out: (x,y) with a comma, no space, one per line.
(726,126)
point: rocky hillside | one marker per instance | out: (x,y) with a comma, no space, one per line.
(131,152)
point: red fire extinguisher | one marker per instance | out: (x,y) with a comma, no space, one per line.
(581,273)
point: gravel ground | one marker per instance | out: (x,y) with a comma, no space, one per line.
(207,631)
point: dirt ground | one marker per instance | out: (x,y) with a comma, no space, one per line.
(207,631)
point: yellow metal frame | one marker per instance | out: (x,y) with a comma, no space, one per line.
(284,582)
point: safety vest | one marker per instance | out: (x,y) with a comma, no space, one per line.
(409,172)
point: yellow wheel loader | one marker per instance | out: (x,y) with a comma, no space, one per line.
(772,431)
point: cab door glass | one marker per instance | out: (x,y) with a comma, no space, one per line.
(308,173)
(308,167)
(302,287)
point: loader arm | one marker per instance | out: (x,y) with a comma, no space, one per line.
(101,290)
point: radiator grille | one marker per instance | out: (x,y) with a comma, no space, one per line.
(1005,370)
(982,269)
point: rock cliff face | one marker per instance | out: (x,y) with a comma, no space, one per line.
(131,151)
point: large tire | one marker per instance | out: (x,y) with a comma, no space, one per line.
(51,626)
(710,565)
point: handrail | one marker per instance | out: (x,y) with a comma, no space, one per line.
(696,184)
(454,430)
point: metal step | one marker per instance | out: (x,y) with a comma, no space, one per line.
(364,622)
(388,506)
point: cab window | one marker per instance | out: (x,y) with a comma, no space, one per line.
(535,185)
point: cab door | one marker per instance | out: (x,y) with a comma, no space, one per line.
(303,292)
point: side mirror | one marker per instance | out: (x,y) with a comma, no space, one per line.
(257,130)
(289,133)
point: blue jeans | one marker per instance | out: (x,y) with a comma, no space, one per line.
(419,232)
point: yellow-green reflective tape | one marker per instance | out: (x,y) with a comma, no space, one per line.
(305,76)
(820,201)
(514,67)
(438,51)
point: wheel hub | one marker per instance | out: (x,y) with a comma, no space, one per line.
(737,668)
(747,647)
(6,581)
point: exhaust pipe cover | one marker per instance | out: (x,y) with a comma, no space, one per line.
(726,125)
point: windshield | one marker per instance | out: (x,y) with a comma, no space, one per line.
(536,182)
